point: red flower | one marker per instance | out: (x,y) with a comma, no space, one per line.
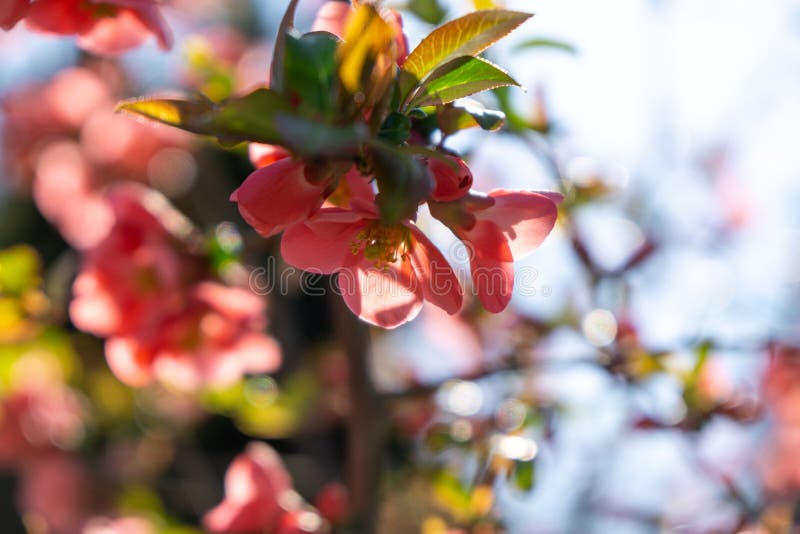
(103,27)
(258,497)
(498,229)
(385,271)
(277,196)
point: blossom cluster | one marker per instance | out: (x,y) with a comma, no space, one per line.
(331,222)
(147,289)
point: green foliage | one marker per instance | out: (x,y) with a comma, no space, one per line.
(469,114)
(463,76)
(309,138)
(19,270)
(466,36)
(396,129)
(247,118)
(430,11)
(310,71)
(403,182)
(552,44)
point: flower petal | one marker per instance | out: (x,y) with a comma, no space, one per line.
(129,361)
(525,217)
(491,265)
(440,286)
(320,246)
(386,297)
(277,196)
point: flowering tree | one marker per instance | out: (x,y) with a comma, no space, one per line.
(171,365)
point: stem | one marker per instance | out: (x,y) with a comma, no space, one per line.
(367,425)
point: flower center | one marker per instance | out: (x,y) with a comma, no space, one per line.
(383,243)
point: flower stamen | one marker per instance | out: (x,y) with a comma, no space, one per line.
(383,243)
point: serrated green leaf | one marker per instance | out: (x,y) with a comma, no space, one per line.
(246,118)
(466,36)
(553,44)
(310,139)
(310,69)
(464,76)
(428,10)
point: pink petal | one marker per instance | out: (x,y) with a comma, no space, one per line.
(254,484)
(12,12)
(253,353)
(114,35)
(262,155)
(440,285)
(320,246)
(332,17)
(491,265)
(129,361)
(386,297)
(451,184)
(353,187)
(93,309)
(526,218)
(234,302)
(59,16)
(277,196)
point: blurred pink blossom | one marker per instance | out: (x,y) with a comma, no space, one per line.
(63,141)
(106,27)
(146,290)
(259,498)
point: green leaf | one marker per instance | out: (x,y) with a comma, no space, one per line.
(469,114)
(278,68)
(461,77)
(403,182)
(547,43)
(246,118)
(466,36)
(310,68)
(396,129)
(310,139)
(429,11)
(523,475)
(19,270)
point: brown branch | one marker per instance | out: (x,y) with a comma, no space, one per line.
(368,422)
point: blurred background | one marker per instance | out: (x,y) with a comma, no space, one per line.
(645,378)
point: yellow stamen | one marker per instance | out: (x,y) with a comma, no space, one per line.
(382,243)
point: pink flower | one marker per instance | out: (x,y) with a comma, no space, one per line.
(277,196)
(498,229)
(451,183)
(55,489)
(37,419)
(64,143)
(213,341)
(107,28)
(384,271)
(258,496)
(148,292)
